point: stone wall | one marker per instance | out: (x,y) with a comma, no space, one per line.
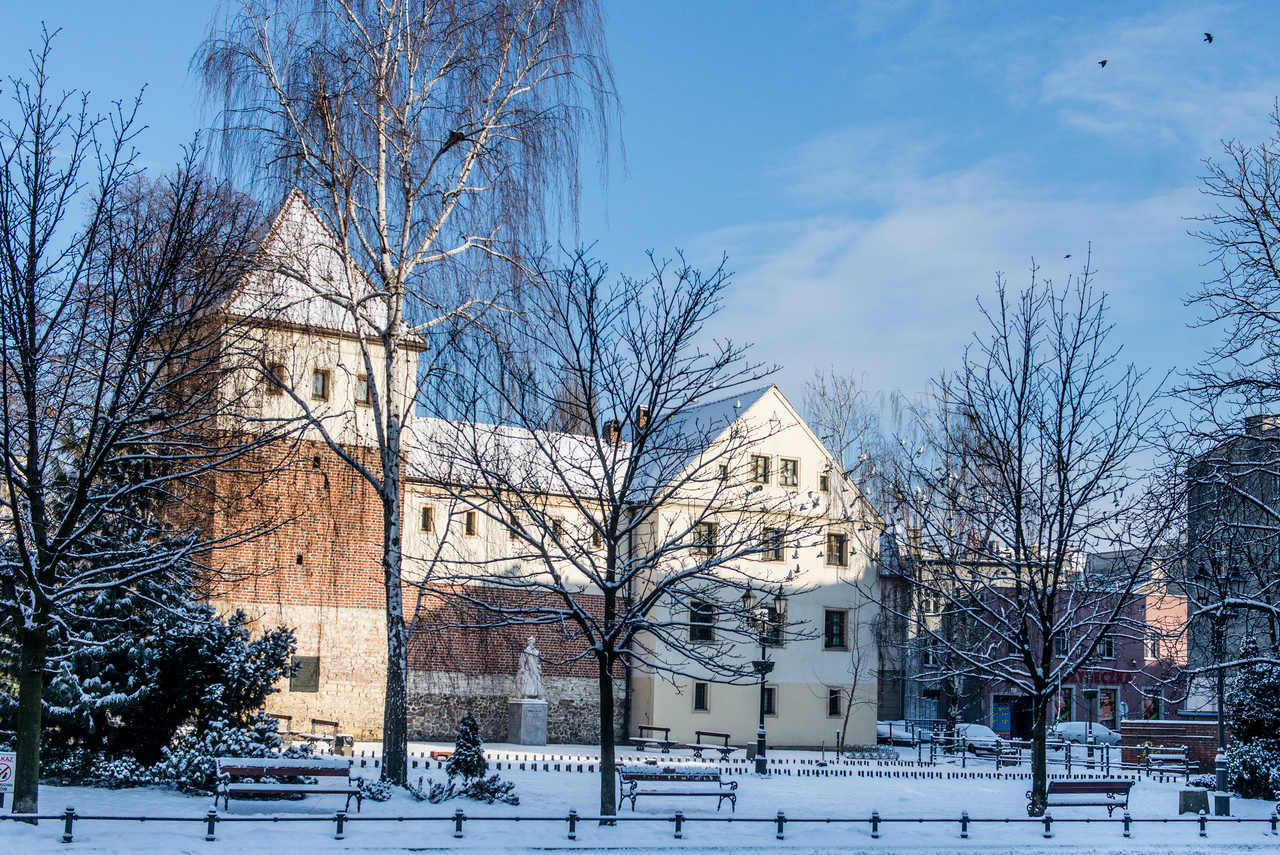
(439,699)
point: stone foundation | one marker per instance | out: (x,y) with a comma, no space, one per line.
(439,700)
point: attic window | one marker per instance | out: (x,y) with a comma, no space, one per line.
(428,521)
(759,469)
(788,472)
(824,482)
(315,462)
(279,378)
(469,524)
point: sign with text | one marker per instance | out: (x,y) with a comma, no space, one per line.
(8,763)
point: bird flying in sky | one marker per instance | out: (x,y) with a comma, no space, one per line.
(1208,37)
(1102,63)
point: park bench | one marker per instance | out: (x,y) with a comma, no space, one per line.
(702,744)
(668,781)
(1167,758)
(333,776)
(1107,794)
(642,742)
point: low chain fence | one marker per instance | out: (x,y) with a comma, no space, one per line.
(876,824)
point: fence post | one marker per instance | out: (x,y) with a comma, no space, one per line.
(1067,758)
(210,818)
(964,824)
(1048,825)
(68,817)
(458,817)
(1204,825)
(1126,823)
(340,818)
(573,824)
(679,820)
(782,821)
(1275,815)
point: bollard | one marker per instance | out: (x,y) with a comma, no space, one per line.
(1204,825)
(782,821)
(573,824)
(679,818)
(1275,815)
(211,817)
(67,819)
(458,817)
(341,819)
(875,823)
(964,824)
(1048,825)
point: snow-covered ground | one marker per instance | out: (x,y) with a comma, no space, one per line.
(552,794)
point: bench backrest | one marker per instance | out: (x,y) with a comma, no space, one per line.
(262,768)
(717,734)
(1089,787)
(669,776)
(653,728)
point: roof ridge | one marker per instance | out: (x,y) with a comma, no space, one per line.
(760,390)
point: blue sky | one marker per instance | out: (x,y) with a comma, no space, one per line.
(868,167)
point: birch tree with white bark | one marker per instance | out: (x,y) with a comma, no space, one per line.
(432,139)
(648,539)
(1029,465)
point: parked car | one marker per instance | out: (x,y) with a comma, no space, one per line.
(1081,731)
(979,739)
(896,733)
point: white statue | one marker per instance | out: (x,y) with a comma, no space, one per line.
(529,674)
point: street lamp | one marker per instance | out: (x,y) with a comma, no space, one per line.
(1220,653)
(764,624)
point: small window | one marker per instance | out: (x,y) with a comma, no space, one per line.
(702,621)
(724,472)
(770,700)
(835,703)
(597,539)
(704,542)
(1059,645)
(837,549)
(363,394)
(759,469)
(320,384)
(789,472)
(1153,646)
(1107,647)
(469,524)
(1152,708)
(427,520)
(835,626)
(281,375)
(824,482)
(557,527)
(513,528)
(306,674)
(775,622)
(700,699)
(771,544)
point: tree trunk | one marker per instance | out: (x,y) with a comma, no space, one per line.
(395,737)
(608,771)
(1039,761)
(26,781)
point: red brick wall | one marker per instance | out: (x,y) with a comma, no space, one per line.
(1200,737)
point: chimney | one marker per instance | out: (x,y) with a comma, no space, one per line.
(612,432)
(1262,423)
(642,418)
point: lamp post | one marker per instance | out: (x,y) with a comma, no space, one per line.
(1220,653)
(762,623)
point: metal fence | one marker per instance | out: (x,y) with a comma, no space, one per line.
(341,821)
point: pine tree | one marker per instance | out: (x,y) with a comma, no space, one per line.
(1253,710)
(467,761)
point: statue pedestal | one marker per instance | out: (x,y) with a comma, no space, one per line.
(527,721)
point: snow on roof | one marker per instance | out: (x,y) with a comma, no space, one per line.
(302,280)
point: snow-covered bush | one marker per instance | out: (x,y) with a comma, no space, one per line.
(189,764)
(467,767)
(375,790)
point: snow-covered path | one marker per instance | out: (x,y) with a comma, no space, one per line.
(552,794)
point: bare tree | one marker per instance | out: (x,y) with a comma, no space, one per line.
(108,355)
(647,539)
(429,139)
(1026,469)
(1231,443)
